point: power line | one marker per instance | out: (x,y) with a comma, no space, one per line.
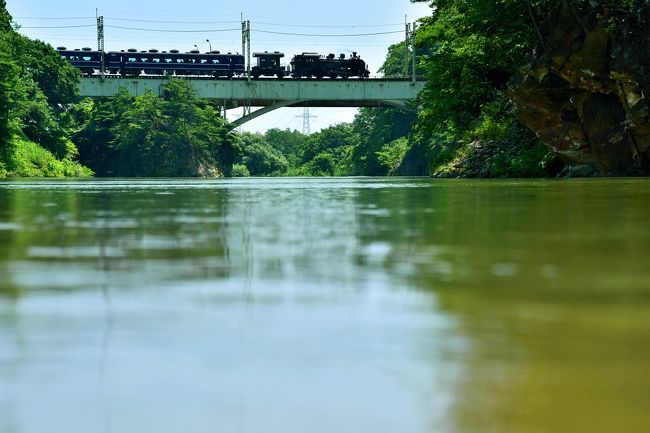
(57,27)
(54,18)
(326,35)
(216,22)
(172,31)
(216,30)
(327,26)
(172,22)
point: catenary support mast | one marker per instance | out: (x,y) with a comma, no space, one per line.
(100,44)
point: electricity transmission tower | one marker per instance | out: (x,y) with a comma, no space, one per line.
(305,120)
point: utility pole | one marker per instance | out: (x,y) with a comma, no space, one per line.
(243,35)
(248,49)
(246,44)
(407,39)
(413,51)
(100,44)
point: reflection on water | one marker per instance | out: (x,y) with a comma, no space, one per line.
(324,305)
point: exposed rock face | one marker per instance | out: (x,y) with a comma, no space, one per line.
(585,94)
(414,163)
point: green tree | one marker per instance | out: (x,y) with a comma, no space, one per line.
(323,164)
(373,129)
(96,139)
(327,151)
(54,76)
(8,81)
(391,154)
(475,47)
(39,121)
(173,135)
(36,90)
(329,139)
(473,55)
(289,143)
(399,60)
(5,18)
(260,158)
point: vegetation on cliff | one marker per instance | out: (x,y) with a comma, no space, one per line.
(572,71)
(175,134)
(467,124)
(584,92)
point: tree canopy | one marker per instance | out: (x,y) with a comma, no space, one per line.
(36,89)
(173,135)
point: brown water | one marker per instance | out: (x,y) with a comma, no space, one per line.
(324,305)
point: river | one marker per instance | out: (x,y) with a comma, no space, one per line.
(324,305)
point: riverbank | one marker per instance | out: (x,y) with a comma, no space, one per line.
(28,159)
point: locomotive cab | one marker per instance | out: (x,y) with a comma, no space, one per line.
(268,65)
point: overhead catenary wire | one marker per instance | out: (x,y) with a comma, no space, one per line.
(351,26)
(58,27)
(139,29)
(172,31)
(326,35)
(171,22)
(54,18)
(262,23)
(276,24)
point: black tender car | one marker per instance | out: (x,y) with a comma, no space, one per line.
(268,65)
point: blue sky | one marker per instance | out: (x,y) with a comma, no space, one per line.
(159,22)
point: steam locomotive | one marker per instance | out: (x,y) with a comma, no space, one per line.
(132,63)
(310,65)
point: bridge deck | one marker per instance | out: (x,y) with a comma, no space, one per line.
(268,92)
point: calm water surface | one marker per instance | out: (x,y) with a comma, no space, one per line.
(312,305)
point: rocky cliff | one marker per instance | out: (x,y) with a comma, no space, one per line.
(584,94)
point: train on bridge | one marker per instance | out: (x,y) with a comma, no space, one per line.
(133,63)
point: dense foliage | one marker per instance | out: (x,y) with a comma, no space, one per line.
(175,134)
(475,48)
(36,90)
